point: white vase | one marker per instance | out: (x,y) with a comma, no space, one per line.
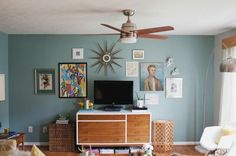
(140,103)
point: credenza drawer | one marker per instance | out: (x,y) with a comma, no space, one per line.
(136,125)
(100,125)
(138,118)
(110,132)
(101,139)
(101,117)
(139,132)
(138,139)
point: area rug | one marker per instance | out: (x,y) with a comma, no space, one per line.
(177,154)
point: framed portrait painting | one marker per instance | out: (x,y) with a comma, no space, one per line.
(44,81)
(72,80)
(151,76)
(174,87)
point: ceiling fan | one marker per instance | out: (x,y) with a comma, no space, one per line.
(129,32)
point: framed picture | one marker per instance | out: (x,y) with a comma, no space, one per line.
(131,69)
(151,99)
(72,80)
(77,53)
(138,54)
(151,76)
(44,81)
(174,87)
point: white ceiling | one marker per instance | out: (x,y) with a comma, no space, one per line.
(188,17)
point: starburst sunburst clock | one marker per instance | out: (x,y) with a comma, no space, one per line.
(106,57)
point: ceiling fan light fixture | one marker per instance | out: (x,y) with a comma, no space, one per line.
(128,40)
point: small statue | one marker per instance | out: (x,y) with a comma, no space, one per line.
(169,62)
(147,149)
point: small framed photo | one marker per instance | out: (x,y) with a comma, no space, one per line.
(131,69)
(138,54)
(151,99)
(72,80)
(174,87)
(77,53)
(44,81)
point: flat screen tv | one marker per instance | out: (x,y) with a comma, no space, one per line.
(113,92)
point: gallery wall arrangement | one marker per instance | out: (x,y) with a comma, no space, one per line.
(60,53)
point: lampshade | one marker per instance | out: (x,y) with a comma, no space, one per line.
(228,65)
(229,55)
(2,87)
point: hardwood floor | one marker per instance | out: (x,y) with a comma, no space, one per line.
(178,149)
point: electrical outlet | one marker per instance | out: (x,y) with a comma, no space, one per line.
(30,129)
(45,129)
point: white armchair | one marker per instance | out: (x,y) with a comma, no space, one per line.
(209,137)
(212,134)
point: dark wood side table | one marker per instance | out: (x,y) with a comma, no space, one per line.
(19,137)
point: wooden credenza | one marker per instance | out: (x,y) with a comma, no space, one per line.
(112,128)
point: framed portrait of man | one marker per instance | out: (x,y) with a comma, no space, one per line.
(152,76)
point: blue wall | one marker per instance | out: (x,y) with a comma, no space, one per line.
(191,55)
(4,105)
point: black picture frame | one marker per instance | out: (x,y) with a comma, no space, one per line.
(72,80)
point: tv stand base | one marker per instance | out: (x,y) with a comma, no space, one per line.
(113,128)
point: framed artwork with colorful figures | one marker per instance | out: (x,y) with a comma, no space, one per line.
(72,80)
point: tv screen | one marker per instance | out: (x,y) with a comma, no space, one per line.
(113,92)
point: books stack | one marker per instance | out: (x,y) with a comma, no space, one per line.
(137,109)
(95,151)
(122,151)
(106,151)
(60,121)
(14,135)
(135,149)
(8,135)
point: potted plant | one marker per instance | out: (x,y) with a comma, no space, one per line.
(140,101)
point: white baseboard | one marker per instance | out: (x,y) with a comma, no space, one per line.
(186,143)
(175,143)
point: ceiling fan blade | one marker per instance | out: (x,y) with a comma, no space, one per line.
(153,36)
(98,34)
(114,28)
(153,30)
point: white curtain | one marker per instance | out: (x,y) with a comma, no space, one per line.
(228,93)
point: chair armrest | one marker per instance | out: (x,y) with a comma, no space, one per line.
(227,141)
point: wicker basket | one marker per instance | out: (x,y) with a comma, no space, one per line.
(162,135)
(61,137)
